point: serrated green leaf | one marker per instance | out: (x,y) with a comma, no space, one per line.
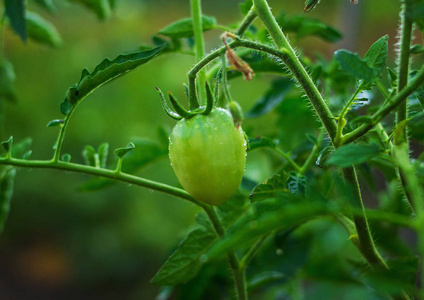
(47,4)
(55,123)
(104,73)
(103,152)
(121,152)
(7,145)
(145,153)
(377,54)
(270,188)
(274,96)
(184,28)
(352,154)
(66,157)
(15,12)
(245,232)
(101,8)
(42,31)
(185,262)
(7,177)
(296,184)
(351,63)
(89,155)
(7,78)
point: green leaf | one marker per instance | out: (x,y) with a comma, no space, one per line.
(101,8)
(104,73)
(15,12)
(103,152)
(185,262)
(27,154)
(261,142)
(145,153)
(274,96)
(6,191)
(66,157)
(246,6)
(7,145)
(184,28)
(354,65)
(287,216)
(311,4)
(89,155)
(303,26)
(270,188)
(416,126)
(121,152)
(7,77)
(19,149)
(377,55)
(353,154)
(55,123)
(47,4)
(42,31)
(296,184)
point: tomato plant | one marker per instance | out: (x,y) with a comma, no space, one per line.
(330,135)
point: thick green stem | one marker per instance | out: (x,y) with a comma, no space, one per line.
(405,45)
(263,11)
(293,63)
(196,14)
(238,272)
(365,242)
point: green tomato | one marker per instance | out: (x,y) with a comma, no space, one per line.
(208,155)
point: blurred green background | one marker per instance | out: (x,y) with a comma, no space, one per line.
(60,243)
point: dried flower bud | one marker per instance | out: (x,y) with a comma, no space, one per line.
(236,62)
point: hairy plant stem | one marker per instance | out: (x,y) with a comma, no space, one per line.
(61,137)
(106,173)
(403,74)
(196,14)
(365,243)
(236,269)
(247,21)
(293,63)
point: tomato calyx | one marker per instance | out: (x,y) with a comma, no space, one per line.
(180,112)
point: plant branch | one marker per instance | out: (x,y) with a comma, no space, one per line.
(247,21)
(196,14)
(106,173)
(238,272)
(384,111)
(313,153)
(405,45)
(61,137)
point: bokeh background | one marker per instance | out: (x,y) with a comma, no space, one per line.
(61,243)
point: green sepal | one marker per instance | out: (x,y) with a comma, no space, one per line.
(178,108)
(209,100)
(166,108)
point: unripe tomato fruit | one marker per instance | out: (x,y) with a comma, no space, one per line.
(208,155)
